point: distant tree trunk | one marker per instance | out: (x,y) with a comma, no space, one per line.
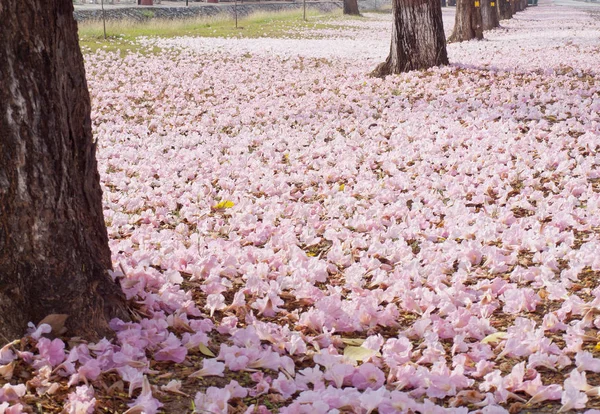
(418,40)
(467,22)
(444,4)
(489,14)
(351,7)
(504,9)
(54,253)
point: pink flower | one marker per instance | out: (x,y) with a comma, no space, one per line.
(145,403)
(6,354)
(6,408)
(52,351)
(214,302)
(173,386)
(400,402)
(36,333)
(312,376)
(172,350)
(338,372)
(397,351)
(236,390)
(11,393)
(131,375)
(368,376)
(213,401)
(268,359)
(572,399)
(284,386)
(263,384)
(210,367)
(268,305)
(90,370)
(81,401)
(585,361)
(371,399)
(546,393)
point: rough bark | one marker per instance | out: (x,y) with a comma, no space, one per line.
(517,6)
(54,253)
(351,7)
(467,21)
(489,14)
(418,40)
(504,9)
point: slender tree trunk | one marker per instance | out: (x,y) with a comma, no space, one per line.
(418,40)
(351,7)
(504,9)
(54,253)
(467,22)
(489,14)
(444,3)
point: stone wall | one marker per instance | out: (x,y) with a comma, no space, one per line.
(144,13)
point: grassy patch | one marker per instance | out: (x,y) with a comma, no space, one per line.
(122,34)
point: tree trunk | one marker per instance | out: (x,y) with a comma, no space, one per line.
(351,7)
(467,22)
(504,9)
(418,40)
(489,14)
(54,253)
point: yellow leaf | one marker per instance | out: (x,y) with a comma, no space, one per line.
(206,351)
(359,353)
(353,341)
(223,204)
(494,338)
(597,347)
(342,186)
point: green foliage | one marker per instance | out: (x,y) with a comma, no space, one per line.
(123,33)
(149,14)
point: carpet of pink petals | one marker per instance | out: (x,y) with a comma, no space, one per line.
(425,243)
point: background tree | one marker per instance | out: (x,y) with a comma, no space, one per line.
(504,9)
(54,253)
(467,22)
(518,5)
(418,40)
(351,7)
(489,14)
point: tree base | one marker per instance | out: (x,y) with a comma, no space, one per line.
(418,40)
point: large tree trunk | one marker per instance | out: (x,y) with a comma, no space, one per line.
(418,40)
(489,14)
(54,253)
(467,22)
(351,7)
(504,9)
(517,6)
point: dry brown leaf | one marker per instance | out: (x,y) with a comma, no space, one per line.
(56,322)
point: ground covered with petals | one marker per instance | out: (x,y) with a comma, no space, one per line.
(295,236)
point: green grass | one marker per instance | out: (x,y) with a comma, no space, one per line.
(122,34)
